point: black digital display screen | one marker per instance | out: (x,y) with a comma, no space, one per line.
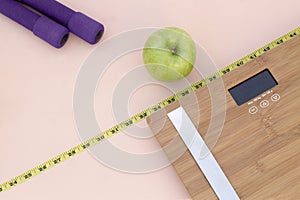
(252,87)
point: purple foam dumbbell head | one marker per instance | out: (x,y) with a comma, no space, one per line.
(51,32)
(85,27)
(43,27)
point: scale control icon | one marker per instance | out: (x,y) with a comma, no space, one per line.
(264,104)
(275,97)
(253,110)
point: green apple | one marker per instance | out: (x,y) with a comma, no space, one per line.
(169,54)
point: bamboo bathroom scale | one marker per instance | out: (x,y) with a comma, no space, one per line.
(259,145)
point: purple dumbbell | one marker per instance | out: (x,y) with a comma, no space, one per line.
(78,23)
(43,27)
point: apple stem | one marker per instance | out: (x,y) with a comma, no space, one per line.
(174,50)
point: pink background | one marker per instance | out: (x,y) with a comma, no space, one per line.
(37,83)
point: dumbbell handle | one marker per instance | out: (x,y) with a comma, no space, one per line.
(78,23)
(43,27)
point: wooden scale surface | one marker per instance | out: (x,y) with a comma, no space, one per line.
(259,153)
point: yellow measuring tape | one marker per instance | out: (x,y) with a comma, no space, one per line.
(143,115)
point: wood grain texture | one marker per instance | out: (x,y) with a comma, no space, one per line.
(260,153)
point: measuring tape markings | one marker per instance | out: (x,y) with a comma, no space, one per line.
(144,114)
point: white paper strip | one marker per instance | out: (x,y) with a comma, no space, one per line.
(208,164)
